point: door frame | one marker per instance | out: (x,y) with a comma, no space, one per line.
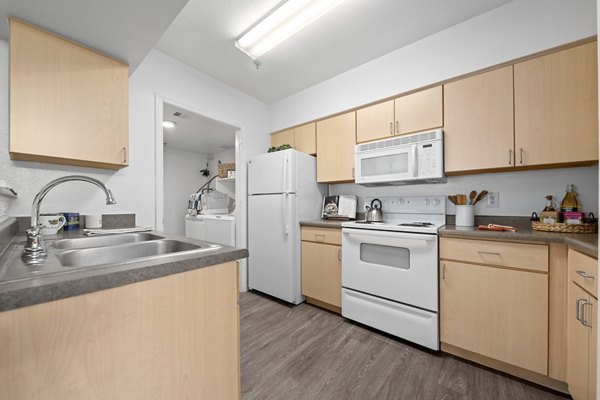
(241,189)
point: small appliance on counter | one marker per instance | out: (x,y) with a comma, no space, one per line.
(339,207)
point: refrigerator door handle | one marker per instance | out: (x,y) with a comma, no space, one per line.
(285,221)
(285,172)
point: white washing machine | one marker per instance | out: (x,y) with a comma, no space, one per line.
(219,228)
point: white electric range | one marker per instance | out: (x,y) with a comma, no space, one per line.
(390,269)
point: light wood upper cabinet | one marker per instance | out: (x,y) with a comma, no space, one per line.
(478,122)
(419,111)
(283,137)
(302,138)
(411,113)
(556,107)
(305,138)
(336,138)
(375,122)
(68,104)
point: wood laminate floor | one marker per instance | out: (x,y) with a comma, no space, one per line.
(305,353)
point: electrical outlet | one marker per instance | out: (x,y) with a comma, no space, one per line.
(492,200)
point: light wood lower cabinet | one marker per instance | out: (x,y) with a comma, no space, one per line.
(68,103)
(322,267)
(496,312)
(582,325)
(168,338)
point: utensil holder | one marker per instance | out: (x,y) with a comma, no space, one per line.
(465,216)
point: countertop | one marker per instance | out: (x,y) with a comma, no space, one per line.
(586,243)
(74,282)
(324,223)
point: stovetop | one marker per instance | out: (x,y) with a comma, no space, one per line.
(418,214)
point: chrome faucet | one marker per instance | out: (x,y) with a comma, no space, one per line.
(34,251)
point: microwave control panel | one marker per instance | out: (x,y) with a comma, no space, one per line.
(430,160)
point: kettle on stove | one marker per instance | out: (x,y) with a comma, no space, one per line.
(374,212)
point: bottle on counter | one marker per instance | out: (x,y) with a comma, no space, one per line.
(549,215)
(549,203)
(569,203)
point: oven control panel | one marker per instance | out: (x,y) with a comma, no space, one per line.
(408,204)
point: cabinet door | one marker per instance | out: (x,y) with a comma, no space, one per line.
(305,138)
(496,312)
(283,137)
(375,122)
(577,359)
(556,107)
(592,318)
(478,122)
(322,272)
(336,138)
(419,111)
(68,104)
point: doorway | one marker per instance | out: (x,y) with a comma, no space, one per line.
(188,152)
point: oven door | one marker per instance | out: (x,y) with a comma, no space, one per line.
(397,266)
(396,164)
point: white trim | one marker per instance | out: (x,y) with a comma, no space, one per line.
(241,211)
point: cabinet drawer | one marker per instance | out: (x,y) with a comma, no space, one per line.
(583,270)
(516,255)
(322,235)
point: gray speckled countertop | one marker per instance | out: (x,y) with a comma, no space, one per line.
(73,282)
(586,243)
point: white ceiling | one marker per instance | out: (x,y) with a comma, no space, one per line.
(124,29)
(196,133)
(355,32)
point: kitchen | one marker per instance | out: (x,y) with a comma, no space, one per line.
(534,27)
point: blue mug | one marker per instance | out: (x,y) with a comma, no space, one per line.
(72,223)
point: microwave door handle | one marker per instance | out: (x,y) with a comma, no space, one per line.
(415,161)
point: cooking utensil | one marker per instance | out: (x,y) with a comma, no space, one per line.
(452,198)
(480,196)
(472,197)
(462,199)
(374,212)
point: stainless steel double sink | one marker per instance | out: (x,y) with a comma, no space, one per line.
(81,253)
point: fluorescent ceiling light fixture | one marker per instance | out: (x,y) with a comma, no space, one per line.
(169,124)
(281,23)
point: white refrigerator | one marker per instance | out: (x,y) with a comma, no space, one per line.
(282,191)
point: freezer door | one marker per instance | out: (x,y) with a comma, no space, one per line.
(272,173)
(272,235)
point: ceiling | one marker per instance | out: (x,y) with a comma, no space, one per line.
(124,29)
(353,33)
(196,133)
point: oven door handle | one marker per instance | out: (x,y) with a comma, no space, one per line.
(366,234)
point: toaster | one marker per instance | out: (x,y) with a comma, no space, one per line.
(339,207)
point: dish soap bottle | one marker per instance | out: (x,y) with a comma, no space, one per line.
(569,203)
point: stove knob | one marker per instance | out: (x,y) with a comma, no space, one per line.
(436,202)
(401,202)
(427,202)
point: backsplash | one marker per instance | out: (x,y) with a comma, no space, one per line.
(519,193)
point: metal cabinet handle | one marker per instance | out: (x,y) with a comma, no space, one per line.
(584,275)
(353,172)
(124,155)
(444,271)
(578,309)
(488,253)
(340,255)
(397,127)
(509,156)
(391,128)
(584,321)
(521,155)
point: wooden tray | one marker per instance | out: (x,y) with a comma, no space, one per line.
(564,228)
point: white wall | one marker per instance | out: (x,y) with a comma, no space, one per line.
(226,157)
(517,29)
(182,177)
(134,186)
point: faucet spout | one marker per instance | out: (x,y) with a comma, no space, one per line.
(34,251)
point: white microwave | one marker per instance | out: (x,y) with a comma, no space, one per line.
(414,158)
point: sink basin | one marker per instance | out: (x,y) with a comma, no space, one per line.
(126,252)
(107,240)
